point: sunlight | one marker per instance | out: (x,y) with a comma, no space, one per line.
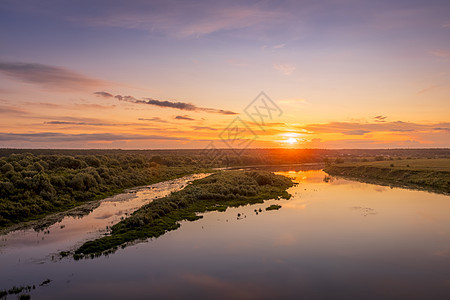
(291,141)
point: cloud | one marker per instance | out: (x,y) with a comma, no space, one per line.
(401,130)
(184,19)
(172,104)
(184,118)
(104,94)
(154,119)
(77,123)
(279,46)
(284,69)
(272,48)
(379,118)
(356,132)
(236,62)
(442,128)
(48,76)
(203,128)
(427,89)
(358,128)
(165,103)
(11,110)
(88,106)
(441,53)
(55,137)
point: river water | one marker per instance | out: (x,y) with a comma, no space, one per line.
(336,239)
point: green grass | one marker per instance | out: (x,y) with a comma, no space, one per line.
(213,193)
(429,174)
(439,164)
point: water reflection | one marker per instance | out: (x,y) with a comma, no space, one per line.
(72,228)
(335,239)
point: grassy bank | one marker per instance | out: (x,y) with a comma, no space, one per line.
(215,192)
(429,174)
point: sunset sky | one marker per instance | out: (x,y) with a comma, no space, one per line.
(175,74)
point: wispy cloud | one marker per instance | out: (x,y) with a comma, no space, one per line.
(154,119)
(272,48)
(80,121)
(402,129)
(170,104)
(442,128)
(379,118)
(356,132)
(8,110)
(63,137)
(355,128)
(76,123)
(203,128)
(428,88)
(236,62)
(279,46)
(48,76)
(445,54)
(285,69)
(185,19)
(187,118)
(104,94)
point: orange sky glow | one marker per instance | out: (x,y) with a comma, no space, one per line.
(152,76)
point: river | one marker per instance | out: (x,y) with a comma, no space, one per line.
(335,239)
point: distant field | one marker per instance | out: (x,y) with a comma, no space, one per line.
(440,164)
(430,174)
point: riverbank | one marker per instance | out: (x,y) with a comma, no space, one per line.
(216,192)
(33,187)
(123,204)
(425,174)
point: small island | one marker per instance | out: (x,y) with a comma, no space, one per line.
(273,207)
(216,192)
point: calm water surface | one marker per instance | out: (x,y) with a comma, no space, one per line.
(341,239)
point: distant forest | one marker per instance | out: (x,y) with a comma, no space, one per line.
(227,157)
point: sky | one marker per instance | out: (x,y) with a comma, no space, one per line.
(195,74)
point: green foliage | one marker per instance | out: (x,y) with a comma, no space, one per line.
(32,186)
(215,192)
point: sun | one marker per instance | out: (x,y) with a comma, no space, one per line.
(291,141)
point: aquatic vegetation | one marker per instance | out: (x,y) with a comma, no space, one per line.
(213,193)
(273,207)
(45,282)
(17,290)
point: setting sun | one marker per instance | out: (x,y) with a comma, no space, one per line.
(291,141)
